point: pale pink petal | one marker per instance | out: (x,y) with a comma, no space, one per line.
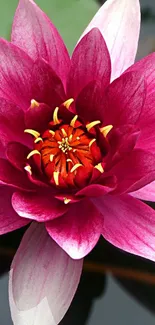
(77,231)
(34,32)
(146,193)
(119,22)
(43,280)
(128,224)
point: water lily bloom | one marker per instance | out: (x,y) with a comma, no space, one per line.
(77,151)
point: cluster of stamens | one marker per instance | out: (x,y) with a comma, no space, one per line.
(67,151)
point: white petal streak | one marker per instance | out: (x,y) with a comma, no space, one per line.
(119,23)
(43,280)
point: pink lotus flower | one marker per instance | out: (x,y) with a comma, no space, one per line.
(77,152)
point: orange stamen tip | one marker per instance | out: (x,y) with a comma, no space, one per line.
(64,132)
(55,116)
(32,132)
(106,129)
(66,201)
(75,167)
(92,124)
(38,140)
(33,152)
(52,132)
(91,142)
(28,169)
(100,168)
(56,177)
(72,123)
(68,102)
(34,103)
(51,157)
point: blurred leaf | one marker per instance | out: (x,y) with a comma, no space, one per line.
(116,260)
(91,286)
(69,16)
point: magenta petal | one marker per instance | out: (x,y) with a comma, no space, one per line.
(89,102)
(38,206)
(2,150)
(128,224)
(119,22)
(15,74)
(46,85)
(124,99)
(146,66)
(9,175)
(146,193)
(135,171)
(90,61)
(37,118)
(43,280)
(78,231)
(16,153)
(94,190)
(9,219)
(34,33)
(12,124)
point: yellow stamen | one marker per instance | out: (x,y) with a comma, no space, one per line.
(100,168)
(33,152)
(51,157)
(69,160)
(72,123)
(34,103)
(66,201)
(91,142)
(77,138)
(64,132)
(68,102)
(75,167)
(70,137)
(92,124)
(106,129)
(56,177)
(55,116)
(32,132)
(38,140)
(52,132)
(28,169)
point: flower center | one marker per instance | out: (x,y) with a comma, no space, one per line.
(68,152)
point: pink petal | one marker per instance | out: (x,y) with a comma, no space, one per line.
(134,171)
(90,61)
(46,85)
(78,231)
(119,22)
(15,74)
(146,193)
(9,175)
(38,206)
(34,33)
(37,118)
(9,219)
(128,224)
(43,280)
(124,99)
